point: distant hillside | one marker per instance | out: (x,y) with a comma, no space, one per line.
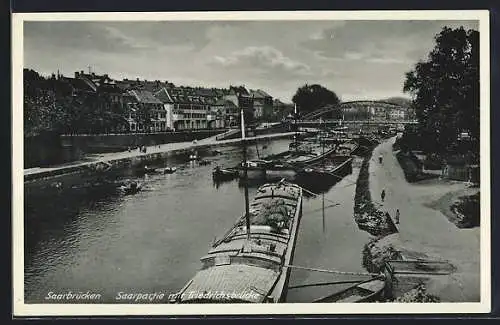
(405,102)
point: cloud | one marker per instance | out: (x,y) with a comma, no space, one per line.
(262,57)
(279,56)
(115,34)
(116,37)
(378,42)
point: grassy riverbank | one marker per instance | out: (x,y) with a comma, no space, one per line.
(412,167)
(366,215)
(462,207)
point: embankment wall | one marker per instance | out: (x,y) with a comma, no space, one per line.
(50,149)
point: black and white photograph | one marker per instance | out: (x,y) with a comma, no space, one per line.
(284,162)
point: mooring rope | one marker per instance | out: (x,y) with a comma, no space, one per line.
(331,271)
(319,209)
(323,284)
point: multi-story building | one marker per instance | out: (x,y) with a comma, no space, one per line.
(379,113)
(185,109)
(281,110)
(409,113)
(228,111)
(132,106)
(243,99)
(262,104)
(101,94)
(397,114)
(147,111)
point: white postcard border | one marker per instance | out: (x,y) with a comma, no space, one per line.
(22,309)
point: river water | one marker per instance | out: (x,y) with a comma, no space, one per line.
(92,239)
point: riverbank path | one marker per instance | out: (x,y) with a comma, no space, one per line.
(108,157)
(424,231)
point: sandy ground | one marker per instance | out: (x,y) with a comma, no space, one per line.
(424,231)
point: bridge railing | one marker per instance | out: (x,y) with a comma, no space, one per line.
(370,121)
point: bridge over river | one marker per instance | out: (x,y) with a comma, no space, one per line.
(362,112)
(336,122)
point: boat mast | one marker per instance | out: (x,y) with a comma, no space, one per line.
(296,126)
(324,165)
(245,174)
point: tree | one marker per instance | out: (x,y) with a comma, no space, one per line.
(445,90)
(312,97)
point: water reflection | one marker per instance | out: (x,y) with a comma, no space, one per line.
(86,235)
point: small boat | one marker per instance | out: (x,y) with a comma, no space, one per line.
(167,170)
(204,162)
(57,185)
(148,170)
(216,152)
(224,173)
(366,291)
(256,169)
(130,188)
(332,170)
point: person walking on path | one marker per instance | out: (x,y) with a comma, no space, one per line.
(397,216)
(382,195)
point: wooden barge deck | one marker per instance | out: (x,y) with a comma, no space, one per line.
(250,267)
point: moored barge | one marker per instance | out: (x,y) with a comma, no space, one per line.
(249,263)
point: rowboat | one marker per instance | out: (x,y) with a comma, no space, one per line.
(248,264)
(366,291)
(224,173)
(130,188)
(168,170)
(255,169)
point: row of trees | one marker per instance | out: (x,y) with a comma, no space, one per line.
(51,104)
(445,90)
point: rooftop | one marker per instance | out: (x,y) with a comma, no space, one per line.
(259,93)
(144,96)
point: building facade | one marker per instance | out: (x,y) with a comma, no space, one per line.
(262,104)
(146,113)
(185,109)
(397,114)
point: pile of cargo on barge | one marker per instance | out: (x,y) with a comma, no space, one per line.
(248,265)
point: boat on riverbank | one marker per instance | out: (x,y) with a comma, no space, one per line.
(130,188)
(316,157)
(366,291)
(331,170)
(248,264)
(167,170)
(222,174)
(287,164)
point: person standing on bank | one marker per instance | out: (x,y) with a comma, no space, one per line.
(382,195)
(397,216)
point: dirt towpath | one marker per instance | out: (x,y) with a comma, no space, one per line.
(426,230)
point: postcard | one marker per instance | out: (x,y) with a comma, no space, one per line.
(223,163)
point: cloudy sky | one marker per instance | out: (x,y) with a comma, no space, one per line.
(356,59)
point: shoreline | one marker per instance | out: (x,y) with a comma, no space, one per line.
(131,159)
(426,232)
(445,203)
